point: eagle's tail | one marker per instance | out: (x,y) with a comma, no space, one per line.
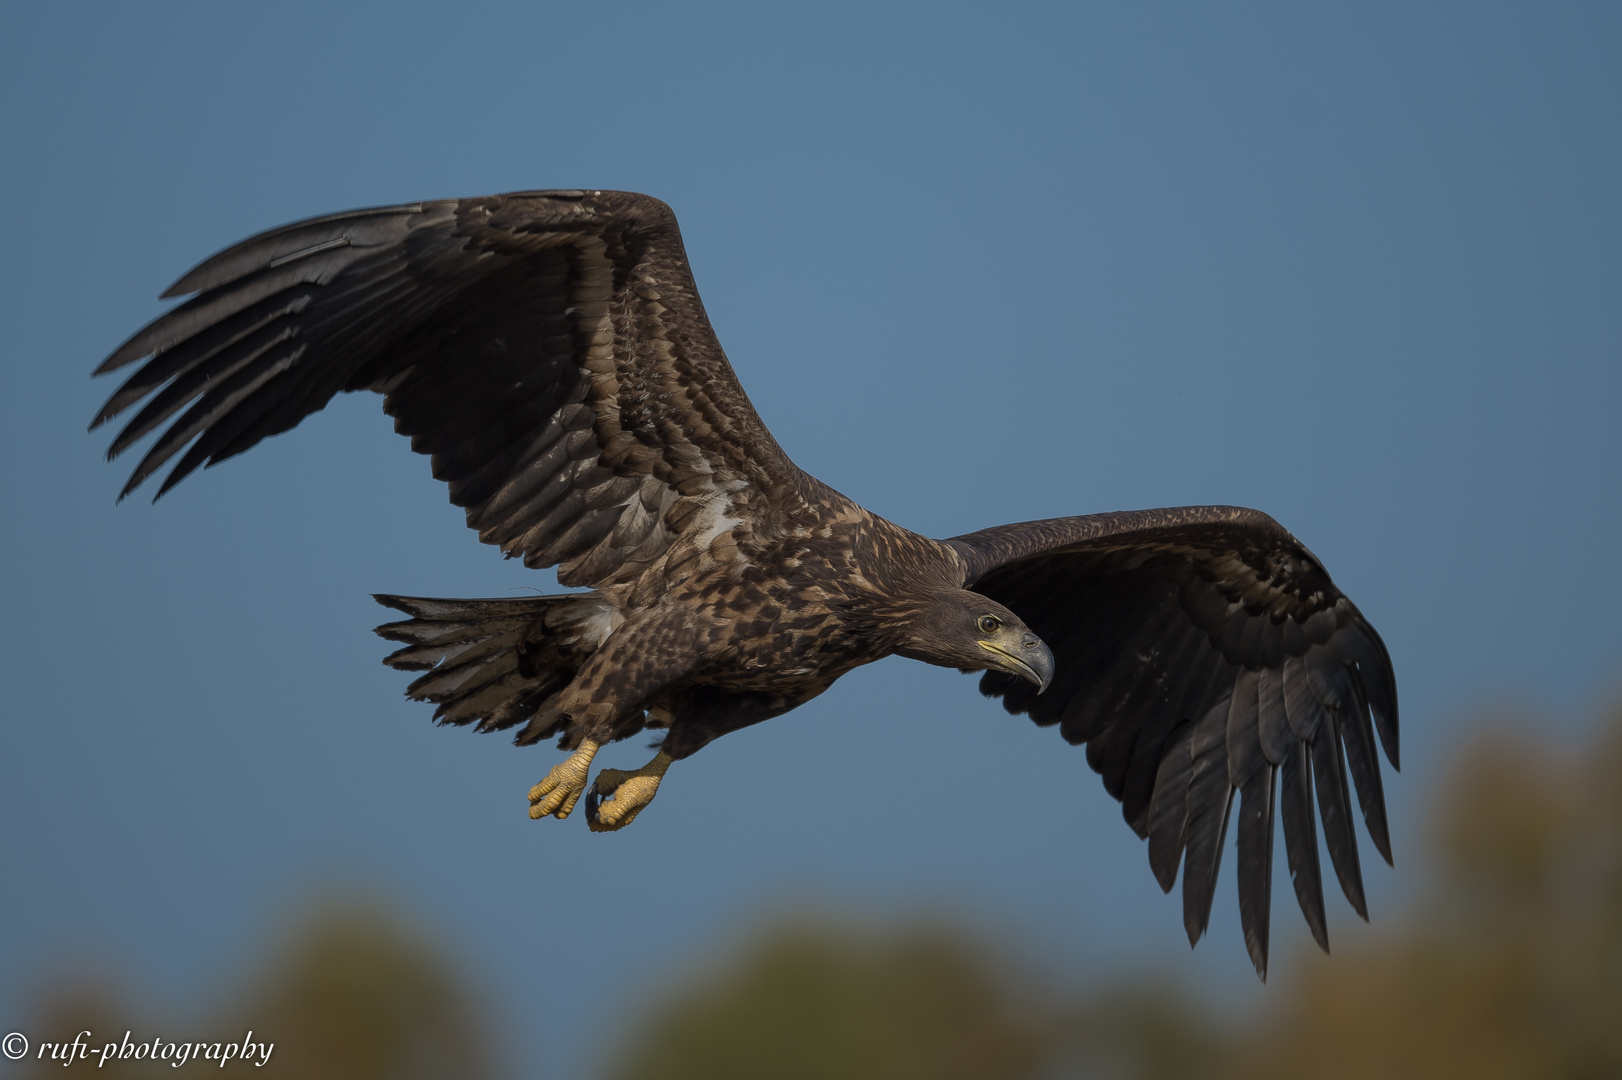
(497,662)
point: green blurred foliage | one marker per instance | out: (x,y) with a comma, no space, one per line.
(357,996)
(351,993)
(91,1005)
(1140,1031)
(811,1002)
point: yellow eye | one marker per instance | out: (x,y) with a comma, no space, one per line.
(989,624)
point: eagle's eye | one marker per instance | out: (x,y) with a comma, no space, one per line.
(989,624)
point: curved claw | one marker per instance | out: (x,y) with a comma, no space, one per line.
(593,800)
(628,793)
(608,782)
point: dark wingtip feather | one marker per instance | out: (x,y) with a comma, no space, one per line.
(1335,808)
(1359,644)
(397,631)
(183,468)
(1204,858)
(1256,863)
(1319,762)
(283,244)
(1301,841)
(398,658)
(1168,809)
(127,351)
(114,361)
(1337,686)
(135,481)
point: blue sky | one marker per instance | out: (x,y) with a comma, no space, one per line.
(1355,266)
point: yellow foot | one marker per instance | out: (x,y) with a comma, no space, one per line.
(627,792)
(557,794)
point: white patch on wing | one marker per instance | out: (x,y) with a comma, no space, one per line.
(600,623)
(591,620)
(715,519)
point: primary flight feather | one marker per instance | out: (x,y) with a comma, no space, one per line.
(548,350)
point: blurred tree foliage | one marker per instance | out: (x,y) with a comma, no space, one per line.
(357,996)
(90,1004)
(1140,1031)
(814,1002)
(350,994)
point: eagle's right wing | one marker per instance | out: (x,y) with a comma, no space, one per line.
(1203,652)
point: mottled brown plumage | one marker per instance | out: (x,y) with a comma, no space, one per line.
(549,352)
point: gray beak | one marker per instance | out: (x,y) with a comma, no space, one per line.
(1036,656)
(1028,658)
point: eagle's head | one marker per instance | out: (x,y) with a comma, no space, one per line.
(962,629)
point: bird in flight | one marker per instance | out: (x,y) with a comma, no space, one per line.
(549,352)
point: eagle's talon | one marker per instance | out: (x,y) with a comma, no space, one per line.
(562,787)
(607,781)
(627,793)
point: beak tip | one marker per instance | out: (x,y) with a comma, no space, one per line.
(1044,669)
(1040,670)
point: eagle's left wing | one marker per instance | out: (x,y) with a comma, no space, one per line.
(547,350)
(1203,651)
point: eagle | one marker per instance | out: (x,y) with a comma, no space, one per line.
(549,352)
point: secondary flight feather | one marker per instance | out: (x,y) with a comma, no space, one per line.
(549,352)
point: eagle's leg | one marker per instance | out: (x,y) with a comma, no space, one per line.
(557,794)
(627,792)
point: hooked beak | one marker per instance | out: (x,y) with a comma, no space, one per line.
(1032,660)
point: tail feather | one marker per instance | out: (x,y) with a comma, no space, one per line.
(451,646)
(495,661)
